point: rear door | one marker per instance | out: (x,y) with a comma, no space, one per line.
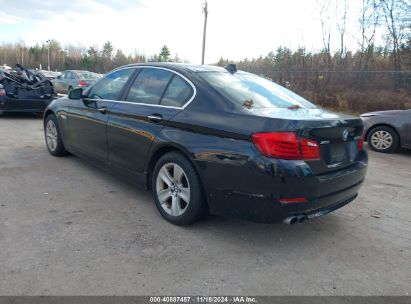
(155,95)
(88,116)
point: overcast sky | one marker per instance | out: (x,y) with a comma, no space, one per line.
(236,28)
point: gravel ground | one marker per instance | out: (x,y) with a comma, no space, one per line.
(67,228)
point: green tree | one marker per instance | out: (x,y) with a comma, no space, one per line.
(107,51)
(164,54)
(107,56)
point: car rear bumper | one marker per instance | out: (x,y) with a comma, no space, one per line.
(264,203)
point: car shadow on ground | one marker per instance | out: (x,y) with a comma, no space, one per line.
(234,231)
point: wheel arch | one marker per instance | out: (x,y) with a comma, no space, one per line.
(47,113)
(164,149)
(383,125)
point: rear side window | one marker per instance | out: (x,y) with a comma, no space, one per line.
(178,92)
(87,75)
(149,86)
(110,86)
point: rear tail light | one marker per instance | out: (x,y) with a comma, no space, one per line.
(360,143)
(82,83)
(2,92)
(286,145)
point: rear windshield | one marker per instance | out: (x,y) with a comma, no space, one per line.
(87,75)
(251,91)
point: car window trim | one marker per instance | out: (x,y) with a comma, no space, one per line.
(140,67)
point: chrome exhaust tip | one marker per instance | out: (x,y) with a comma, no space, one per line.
(291,220)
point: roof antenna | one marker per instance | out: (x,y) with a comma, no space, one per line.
(232,68)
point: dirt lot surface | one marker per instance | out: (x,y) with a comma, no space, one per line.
(67,228)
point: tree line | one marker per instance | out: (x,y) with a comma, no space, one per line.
(372,77)
(75,57)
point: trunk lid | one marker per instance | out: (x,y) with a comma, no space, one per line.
(337,134)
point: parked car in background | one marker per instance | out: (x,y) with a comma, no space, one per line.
(23,90)
(205,138)
(49,74)
(71,79)
(386,131)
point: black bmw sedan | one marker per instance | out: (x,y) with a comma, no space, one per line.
(206,139)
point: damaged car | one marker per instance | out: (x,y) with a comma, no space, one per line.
(23,90)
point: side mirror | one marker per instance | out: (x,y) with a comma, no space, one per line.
(59,77)
(76,93)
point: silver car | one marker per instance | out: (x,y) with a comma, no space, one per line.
(72,79)
(386,131)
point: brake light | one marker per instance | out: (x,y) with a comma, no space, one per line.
(2,92)
(82,83)
(360,143)
(286,145)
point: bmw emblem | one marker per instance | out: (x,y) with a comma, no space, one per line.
(345,134)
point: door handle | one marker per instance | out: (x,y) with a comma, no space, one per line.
(102,110)
(156,118)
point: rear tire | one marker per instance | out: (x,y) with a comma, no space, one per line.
(53,138)
(177,190)
(383,139)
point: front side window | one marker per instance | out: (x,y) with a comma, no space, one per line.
(178,93)
(110,86)
(149,86)
(252,91)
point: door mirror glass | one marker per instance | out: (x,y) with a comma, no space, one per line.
(76,93)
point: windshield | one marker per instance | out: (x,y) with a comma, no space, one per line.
(251,91)
(87,75)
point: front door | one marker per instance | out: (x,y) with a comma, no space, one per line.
(87,117)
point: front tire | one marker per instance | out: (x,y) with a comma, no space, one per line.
(177,190)
(383,139)
(53,138)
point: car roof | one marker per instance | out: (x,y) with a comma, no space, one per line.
(183,67)
(78,71)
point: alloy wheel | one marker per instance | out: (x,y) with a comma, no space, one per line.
(381,140)
(173,189)
(51,135)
